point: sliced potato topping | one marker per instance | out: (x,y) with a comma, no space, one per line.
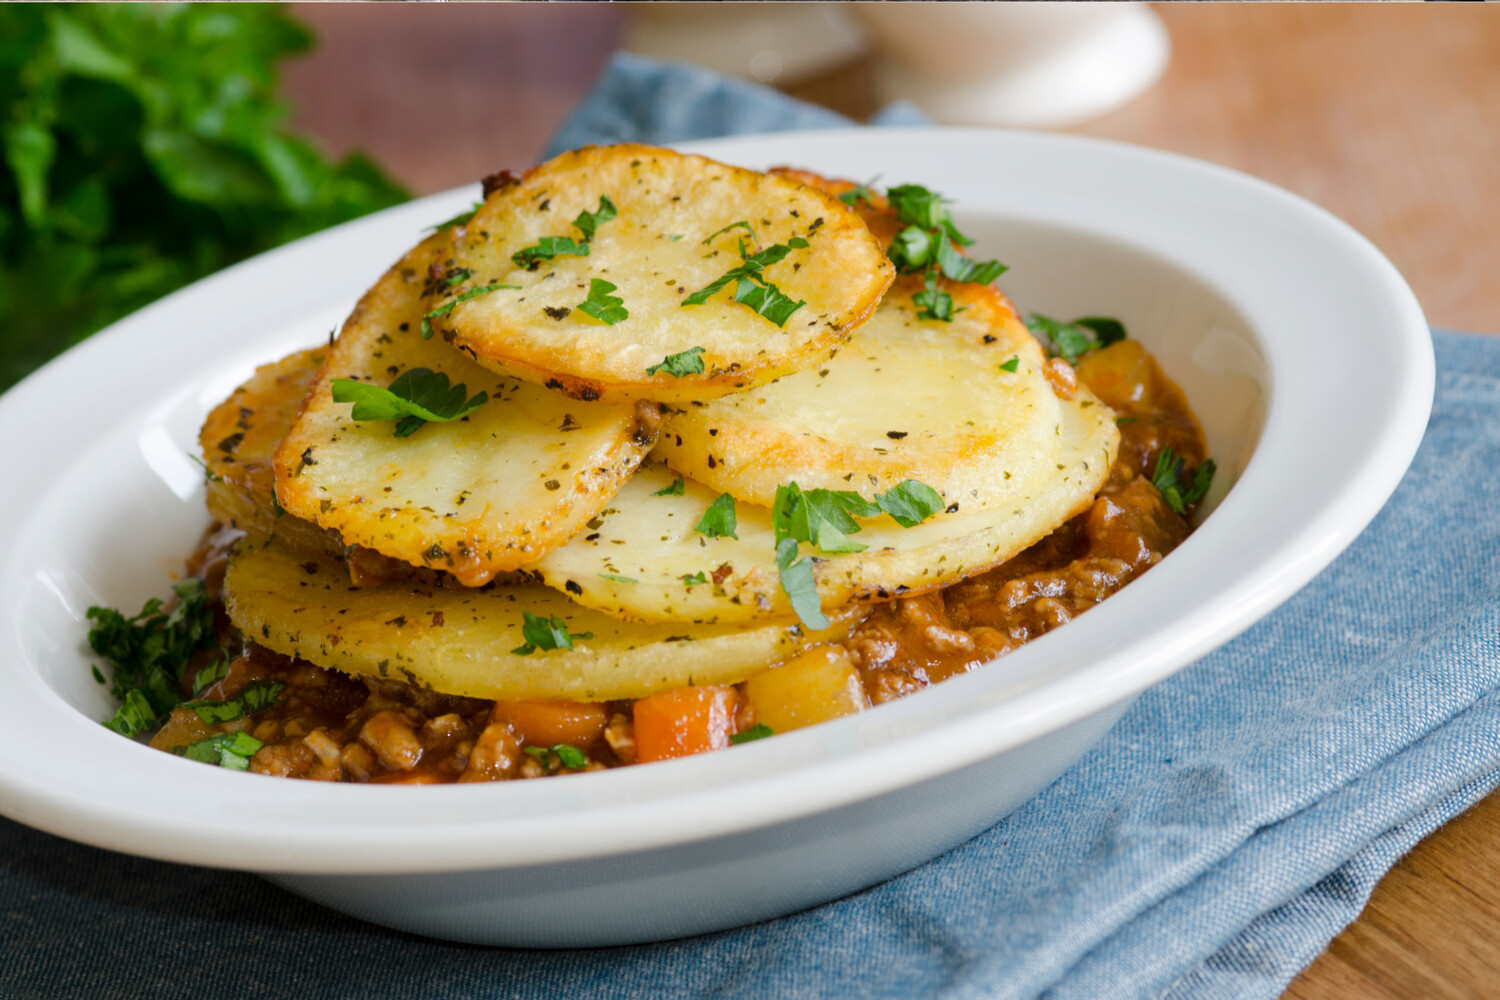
(238,441)
(460,641)
(473,496)
(658,226)
(644,560)
(906,399)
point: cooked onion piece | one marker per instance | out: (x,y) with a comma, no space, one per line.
(644,560)
(460,641)
(680,224)
(238,440)
(905,399)
(473,496)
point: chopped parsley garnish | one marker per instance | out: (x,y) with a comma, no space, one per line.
(601,305)
(674,490)
(549,247)
(589,222)
(256,697)
(419,395)
(209,675)
(742,224)
(545,633)
(688,362)
(798,584)
(1011,365)
(933,303)
(1071,341)
(231,750)
(751,288)
(694,578)
(151,653)
(208,474)
(457,220)
(719,520)
(759,731)
(619,579)
(568,756)
(859,192)
(826,519)
(928,243)
(451,304)
(910,503)
(1167,478)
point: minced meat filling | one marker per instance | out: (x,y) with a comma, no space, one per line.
(328,726)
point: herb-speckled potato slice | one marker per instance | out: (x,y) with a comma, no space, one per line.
(474,496)
(646,562)
(963,407)
(668,241)
(460,641)
(238,441)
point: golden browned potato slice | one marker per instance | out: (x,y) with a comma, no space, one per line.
(238,440)
(647,562)
(680,226)
(460,641)
(474,496)
(906,399)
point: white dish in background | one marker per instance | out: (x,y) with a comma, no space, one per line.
(1300,347)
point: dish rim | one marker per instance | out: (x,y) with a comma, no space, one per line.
(193,814)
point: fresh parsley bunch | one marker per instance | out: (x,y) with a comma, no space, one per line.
(144,148)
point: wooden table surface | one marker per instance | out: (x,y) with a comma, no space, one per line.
(1387,115)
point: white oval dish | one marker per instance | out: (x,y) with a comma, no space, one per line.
(1302,350)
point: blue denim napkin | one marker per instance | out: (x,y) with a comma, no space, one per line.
(1232,822)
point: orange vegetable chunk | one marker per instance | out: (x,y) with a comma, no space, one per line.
(814,686)
(548,723)
(684,721)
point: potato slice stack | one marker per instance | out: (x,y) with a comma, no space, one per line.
(610,301)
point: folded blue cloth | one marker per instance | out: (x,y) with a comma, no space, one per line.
(1232,822)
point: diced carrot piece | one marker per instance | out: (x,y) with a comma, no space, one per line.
(684,721)
(548,723)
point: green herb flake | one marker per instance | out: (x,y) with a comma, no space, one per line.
(231,750)
(1167,478)
(545,633)
(150,653)
(458,220)
(571,757)
(751,288)
(909,503)
(676,489)
(1011,365)
(603,306)
(618,579)
(418,396)
(209,675)
(798,584)
(933,303)
(692,579)
(1071,341)
(719,520)
(548,248)
(759,731)
(688,362)
(451,304)
(208,474)
(134,716)
(255,698)
(860,192)
(589,222)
